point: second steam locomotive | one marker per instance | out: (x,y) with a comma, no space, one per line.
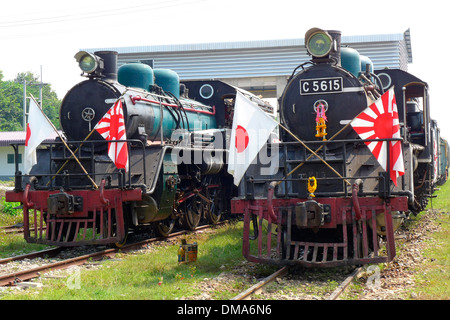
(75,194)
(342,185)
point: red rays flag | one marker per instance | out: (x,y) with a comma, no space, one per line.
(112,127)
(38,129)
(250,131)
(380,121)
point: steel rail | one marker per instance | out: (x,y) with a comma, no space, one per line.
(341,288)
(19,276)
(52,252)
(258,287)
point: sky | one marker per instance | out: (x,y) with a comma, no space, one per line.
(46,34)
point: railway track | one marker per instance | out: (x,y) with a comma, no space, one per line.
(257,288)
(14,229)
(15,278)
(12,278)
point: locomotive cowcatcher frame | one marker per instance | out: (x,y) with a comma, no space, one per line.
(67,208)
(333,228)
(355,232)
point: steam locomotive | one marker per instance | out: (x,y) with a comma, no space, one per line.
(330,202)
(75,195)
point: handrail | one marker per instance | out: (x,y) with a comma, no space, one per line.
(55,154)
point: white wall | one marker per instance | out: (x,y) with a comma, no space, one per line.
(8,169)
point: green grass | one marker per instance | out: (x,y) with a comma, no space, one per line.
(13,243)
(153,275)
(433,278)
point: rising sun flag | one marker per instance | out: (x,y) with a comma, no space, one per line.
(112,128)
(380,121)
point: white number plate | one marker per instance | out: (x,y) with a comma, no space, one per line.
(321,85)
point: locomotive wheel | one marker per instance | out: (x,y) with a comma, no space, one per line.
(192,210)
(213,211)
(123,241)
(165,227)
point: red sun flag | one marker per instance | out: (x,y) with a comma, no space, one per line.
(241,139)
(250,131)
(112,128)
(38,129)
(380,121)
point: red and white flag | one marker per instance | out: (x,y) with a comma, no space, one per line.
(380,121)
(250,131)
(112,128)
(38,129)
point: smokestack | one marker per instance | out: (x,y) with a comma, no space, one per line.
(110,64)
(336,51)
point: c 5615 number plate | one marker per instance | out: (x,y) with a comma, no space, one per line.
(321,85)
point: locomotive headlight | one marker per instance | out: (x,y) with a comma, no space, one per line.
(318,42)
(89,62)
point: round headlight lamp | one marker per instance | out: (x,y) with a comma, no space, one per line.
(88,63)
(319,43)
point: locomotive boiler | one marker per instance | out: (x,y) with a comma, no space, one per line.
(75,194)
(332,202)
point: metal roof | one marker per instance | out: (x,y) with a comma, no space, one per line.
(18,137)
(260,58)
(251,44)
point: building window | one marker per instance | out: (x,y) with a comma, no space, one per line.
(11,158)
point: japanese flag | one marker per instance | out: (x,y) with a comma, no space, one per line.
(250,131)
(112,128)
(380,121)
(38,129)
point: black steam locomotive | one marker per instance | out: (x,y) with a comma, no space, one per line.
(75,194)
(330,202)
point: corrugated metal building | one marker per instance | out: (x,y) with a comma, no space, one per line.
(259,66)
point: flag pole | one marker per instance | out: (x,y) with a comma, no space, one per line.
(76,150)
(64,142)
(81,144)
(313,153)
(318,149)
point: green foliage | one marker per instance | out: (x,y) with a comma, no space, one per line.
(11,101)
(8,207)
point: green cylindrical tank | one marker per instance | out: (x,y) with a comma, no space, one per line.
(136,75)
(197,121)
(351,60)
(168,80)
(366,61)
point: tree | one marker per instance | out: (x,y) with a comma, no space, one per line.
(11,101)
(11,112)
